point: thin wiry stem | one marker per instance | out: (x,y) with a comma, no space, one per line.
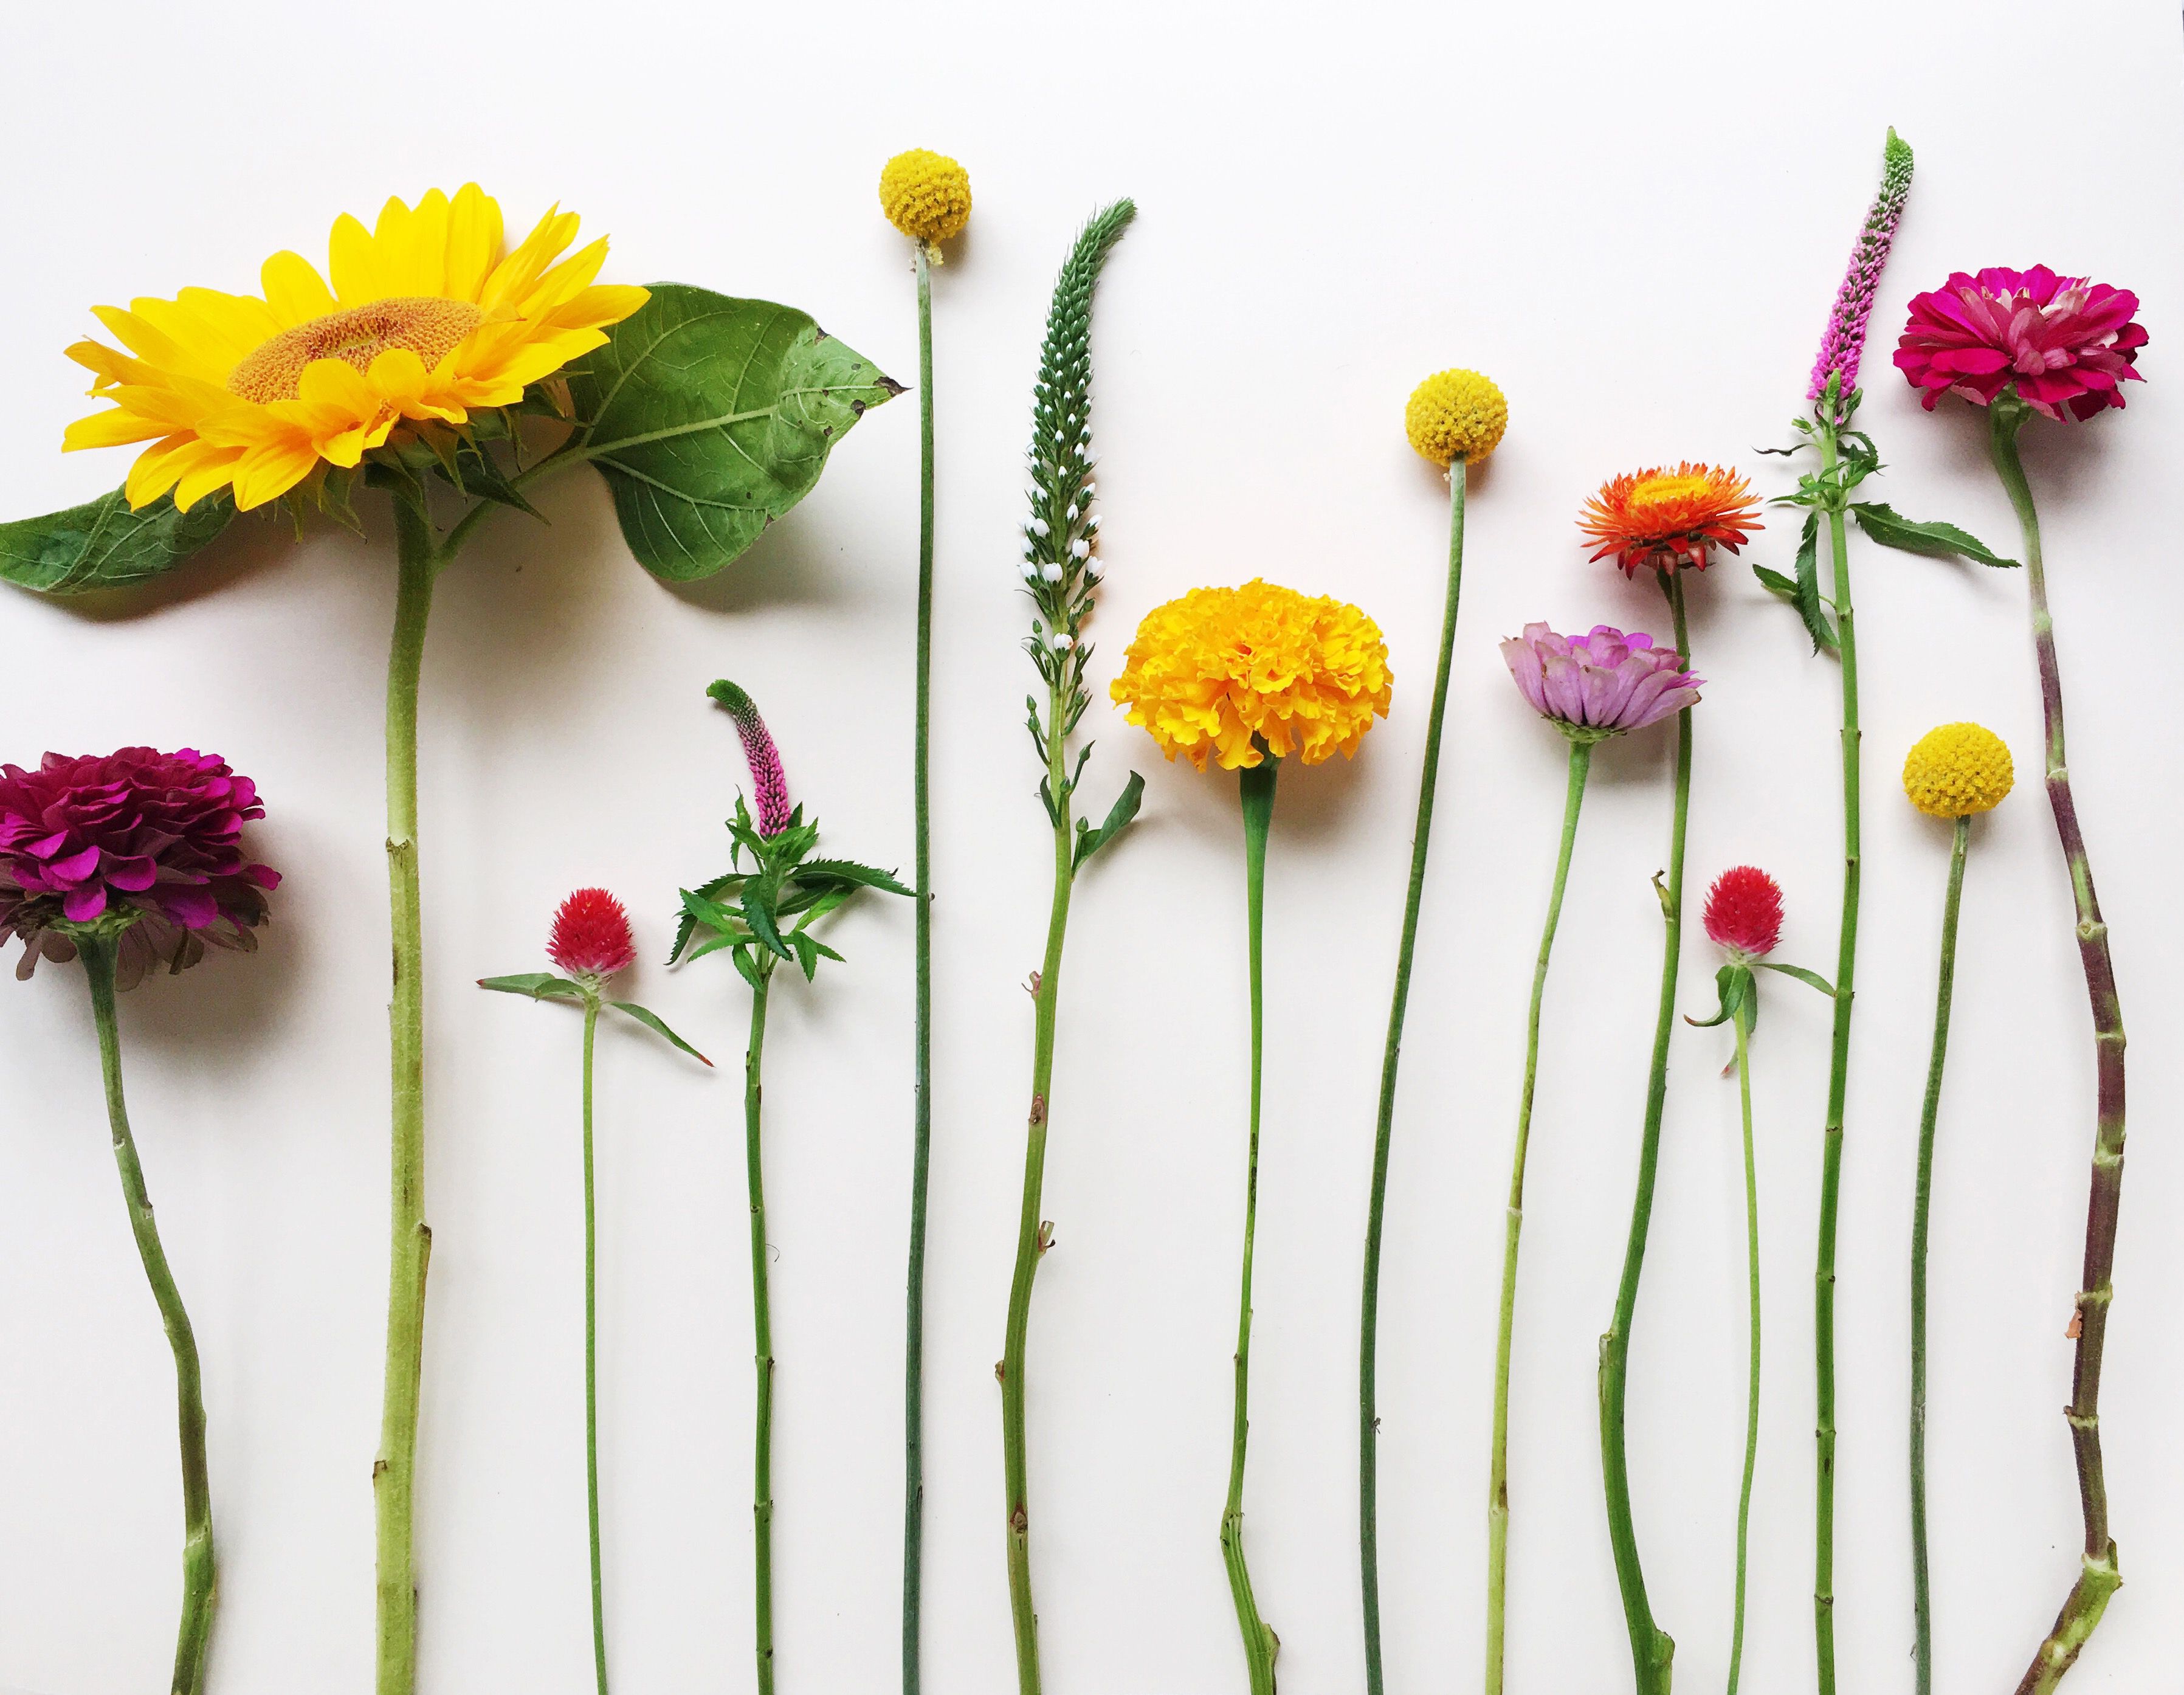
(1742,1017)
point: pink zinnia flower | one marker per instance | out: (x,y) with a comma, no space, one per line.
(1601,683)
(139,837)
(590,936)
(2061,340)
(769,783)
(1744,913)
(1844,344)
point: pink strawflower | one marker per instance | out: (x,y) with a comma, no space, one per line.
(1744,913)
(769,783)
(590,936)
(1602,683)
(2060,341)
(1844,344)
(137,838)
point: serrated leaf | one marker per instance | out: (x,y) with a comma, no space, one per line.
(1808,587)
(103,545)
(688,922)
(1936,540)
(1091,841)
(1776,583)
(849,871)
(539,986)
(711,416)
(757,911)
(653,1022)
(746,967)
(807,953)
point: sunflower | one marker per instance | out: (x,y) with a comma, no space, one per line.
(1663,517)
(428,318)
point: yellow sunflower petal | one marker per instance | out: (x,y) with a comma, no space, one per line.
(596,307)
(474,240)
(400,380)
(295,293)
(514,276)
(112,428)
(353,263)
(269,473)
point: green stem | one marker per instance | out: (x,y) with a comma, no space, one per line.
(1260,1644)
(2098,1576)
(1032,1237)
(1368,1415)
(200,1574)
(1922,1598)
(921,1142)
(1742,1019)
(1824,1274)
(394,1473)
(762,1335)
(1498,1493)
(592,1356)
(1653,1651)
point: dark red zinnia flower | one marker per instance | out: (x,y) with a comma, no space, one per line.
(591,935)
(1744,911)
(2066,343)
(152,838)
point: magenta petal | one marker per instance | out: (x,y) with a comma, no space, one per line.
(82,905)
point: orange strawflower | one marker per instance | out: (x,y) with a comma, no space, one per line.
(1665,518)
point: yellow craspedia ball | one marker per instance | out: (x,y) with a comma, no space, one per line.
(1455,414)
(926,195)
(1305,674)
(1957,770)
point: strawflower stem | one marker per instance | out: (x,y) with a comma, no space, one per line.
(1497,1493)
(394,1475)
(1823,1272)
(592,1356)
(199,1584)
(921,1142)
(1922,1599)
(1653,1651)
(1030,1231)
(2098,1576)
(1742,1020)
(1368,1415)
(1260,1643)
(762,1337)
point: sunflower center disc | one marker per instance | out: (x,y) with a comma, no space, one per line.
(426,324)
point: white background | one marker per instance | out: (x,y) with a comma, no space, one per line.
(1635,220)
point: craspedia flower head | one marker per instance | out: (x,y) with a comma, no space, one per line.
(769,782)
(1744,913)
(1221,670)
(426,318)
(1957,770)
(2067,345)
(1601,683)
(591,938)
(140,843)
(926,195)
(1669,515)
(1455,414)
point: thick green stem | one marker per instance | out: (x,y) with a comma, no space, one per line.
(1260,1644)
(1498,1490)
(592,1356)
(1030,1231)
(1368,1413)
(1922,1598)
(1653,1651)
(920,1138)
(199,1573)
(2098,1574)
(762,1338)
(1742,1019)
(1823,1272)
(394,1472)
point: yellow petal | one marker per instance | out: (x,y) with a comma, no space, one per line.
(352,264)
(295,293)
(473,241)
(112,428)
(269,473)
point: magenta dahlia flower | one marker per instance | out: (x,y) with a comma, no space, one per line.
(2061,341)
(1843,345)
(769,782)
(591,937)
(149,842)
(1601,683)
(1744,913)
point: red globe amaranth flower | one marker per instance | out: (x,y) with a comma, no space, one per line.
(139,837)
(1744,912)
(2064,342)
(590,936)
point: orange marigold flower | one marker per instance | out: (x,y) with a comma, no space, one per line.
(1665,517)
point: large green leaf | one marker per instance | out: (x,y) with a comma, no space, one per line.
(105,545)
(709,418)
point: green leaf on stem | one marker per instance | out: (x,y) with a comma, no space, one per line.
(709,418)
(1089,841)
(1814,978)
(653,1022)
(849,871)
(539,986)
(1936,540)
(1809,587)
(103,545)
